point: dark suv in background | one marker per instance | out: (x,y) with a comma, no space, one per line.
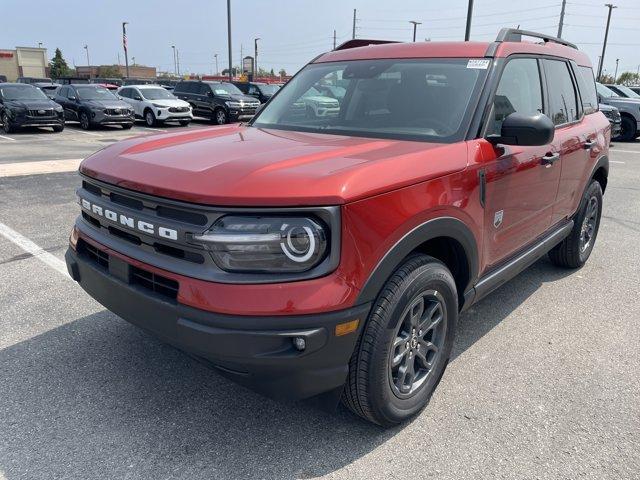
(261,91)
(93,105)
(221,102)
(24,105)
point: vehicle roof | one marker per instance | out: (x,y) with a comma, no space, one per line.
(454,50)
(143,86)
(17,84)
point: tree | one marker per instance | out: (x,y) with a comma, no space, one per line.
(272,73)
(629,79)
(110,71)
(58,67)
(606,78)
(283,72)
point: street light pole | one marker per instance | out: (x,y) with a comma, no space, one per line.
(255,58)
(86,47)
(124,45)
(606,35)
(229,39)
(615,75)
(415,26)
(175,64)
(215,55)
(467,30)
(561,22)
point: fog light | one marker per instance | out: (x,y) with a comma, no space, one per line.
(299,343)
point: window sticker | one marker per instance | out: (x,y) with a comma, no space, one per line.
(480,63)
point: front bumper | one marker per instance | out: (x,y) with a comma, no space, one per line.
(27,121)
(256,351)
(101,118)
(242,114)
(167,116)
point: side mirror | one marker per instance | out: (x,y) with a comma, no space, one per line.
(137,97)
(525,130)
(72,98)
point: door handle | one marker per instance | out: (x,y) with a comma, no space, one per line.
(589,144)
(550,158)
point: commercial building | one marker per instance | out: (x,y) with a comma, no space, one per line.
(24,62)
(136,71)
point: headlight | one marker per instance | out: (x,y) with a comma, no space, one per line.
(266,244)
(58,109)
(234,104)
(158,106)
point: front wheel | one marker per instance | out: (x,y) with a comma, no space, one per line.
(220,117)
(150,119)
(184,123)
(405,346)
(7,127)
(574,251)
(628,130)
(127,126)
(58,128)
(85,123)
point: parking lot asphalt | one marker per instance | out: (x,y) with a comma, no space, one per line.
(543,382)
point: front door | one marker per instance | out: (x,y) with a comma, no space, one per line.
(521,182)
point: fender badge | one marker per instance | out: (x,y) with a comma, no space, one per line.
(497,218)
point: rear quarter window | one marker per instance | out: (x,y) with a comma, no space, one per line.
(587,87)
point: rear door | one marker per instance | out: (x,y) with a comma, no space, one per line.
(521,181)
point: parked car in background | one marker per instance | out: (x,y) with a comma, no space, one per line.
(23,105)
(261,91)
(623,91)
(635,89)
(629,111)
(31,80)
(93,105)
(49,89)
(155,104)
(332,91)
(319,105)
(3,78)
(222,102)
(613,115)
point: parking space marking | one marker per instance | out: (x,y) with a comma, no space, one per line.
(38,252)
(616,161)
(37,168)
(149,128)
(625,151)
(8,138)
(86,133)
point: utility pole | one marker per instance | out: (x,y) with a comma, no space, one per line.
(334,39)
(255,58)
(610,6)
(229,39)
(415,26)
(353,35)
(615,75)
(561,22)
(86,47)
(124,45)
(178,61)
(133,61)
(175,64)
(467,30)
(215,55)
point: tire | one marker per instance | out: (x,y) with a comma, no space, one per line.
(6,124)
(127,126)
(58,128)
(376,388)
(629,130)
(574,251)
(220,116)
(150,118)
(85,123)
(184,123)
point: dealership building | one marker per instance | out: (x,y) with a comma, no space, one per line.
(24,62)
(135,71)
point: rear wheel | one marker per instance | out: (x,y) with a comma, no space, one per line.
(629,129)
(574,251)
(85,123)
(405,346)
(7,127)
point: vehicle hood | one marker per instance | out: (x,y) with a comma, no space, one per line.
(31,104)
(615,101)
(170,102)
(105,104)
(321,99)
(247,166)
(242,98)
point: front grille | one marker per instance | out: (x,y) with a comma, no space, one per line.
(178,109)
(116,111)
(42,113)
(154,282)
(95,255)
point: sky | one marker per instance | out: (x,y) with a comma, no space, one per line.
(292,32)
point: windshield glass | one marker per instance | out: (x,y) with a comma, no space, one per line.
(156,93)
(605,92)
(268,89)
(225,89)
(425,99)
(95,93)
(627,91)
(22,92)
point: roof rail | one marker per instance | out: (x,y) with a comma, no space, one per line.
(515,35)
(362,42)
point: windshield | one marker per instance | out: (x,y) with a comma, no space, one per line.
(627,92)
(225,89)
(605,92)
(425,99)
(156,94)
(268,89)
(22,92)
(95,93)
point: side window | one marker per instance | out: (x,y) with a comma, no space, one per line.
(562,94)
(179,88)
(252,90)
(62,91)
(125,92)
(71,92)
(203,89)
(519,90)
(587,86)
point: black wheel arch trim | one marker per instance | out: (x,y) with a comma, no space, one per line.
(602,162)
(438,227)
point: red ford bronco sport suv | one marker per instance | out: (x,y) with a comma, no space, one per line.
(331,255)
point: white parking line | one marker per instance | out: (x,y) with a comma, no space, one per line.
(8,138)
(38,252)
(149,128)
(86,133)
(37,168)
(624,151)
(616,161)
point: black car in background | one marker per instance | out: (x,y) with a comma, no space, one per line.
(3,78)
(222,102)
(32,80)
(613,115)
(261,91)
(23,105)
(93,105)
(49,89)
